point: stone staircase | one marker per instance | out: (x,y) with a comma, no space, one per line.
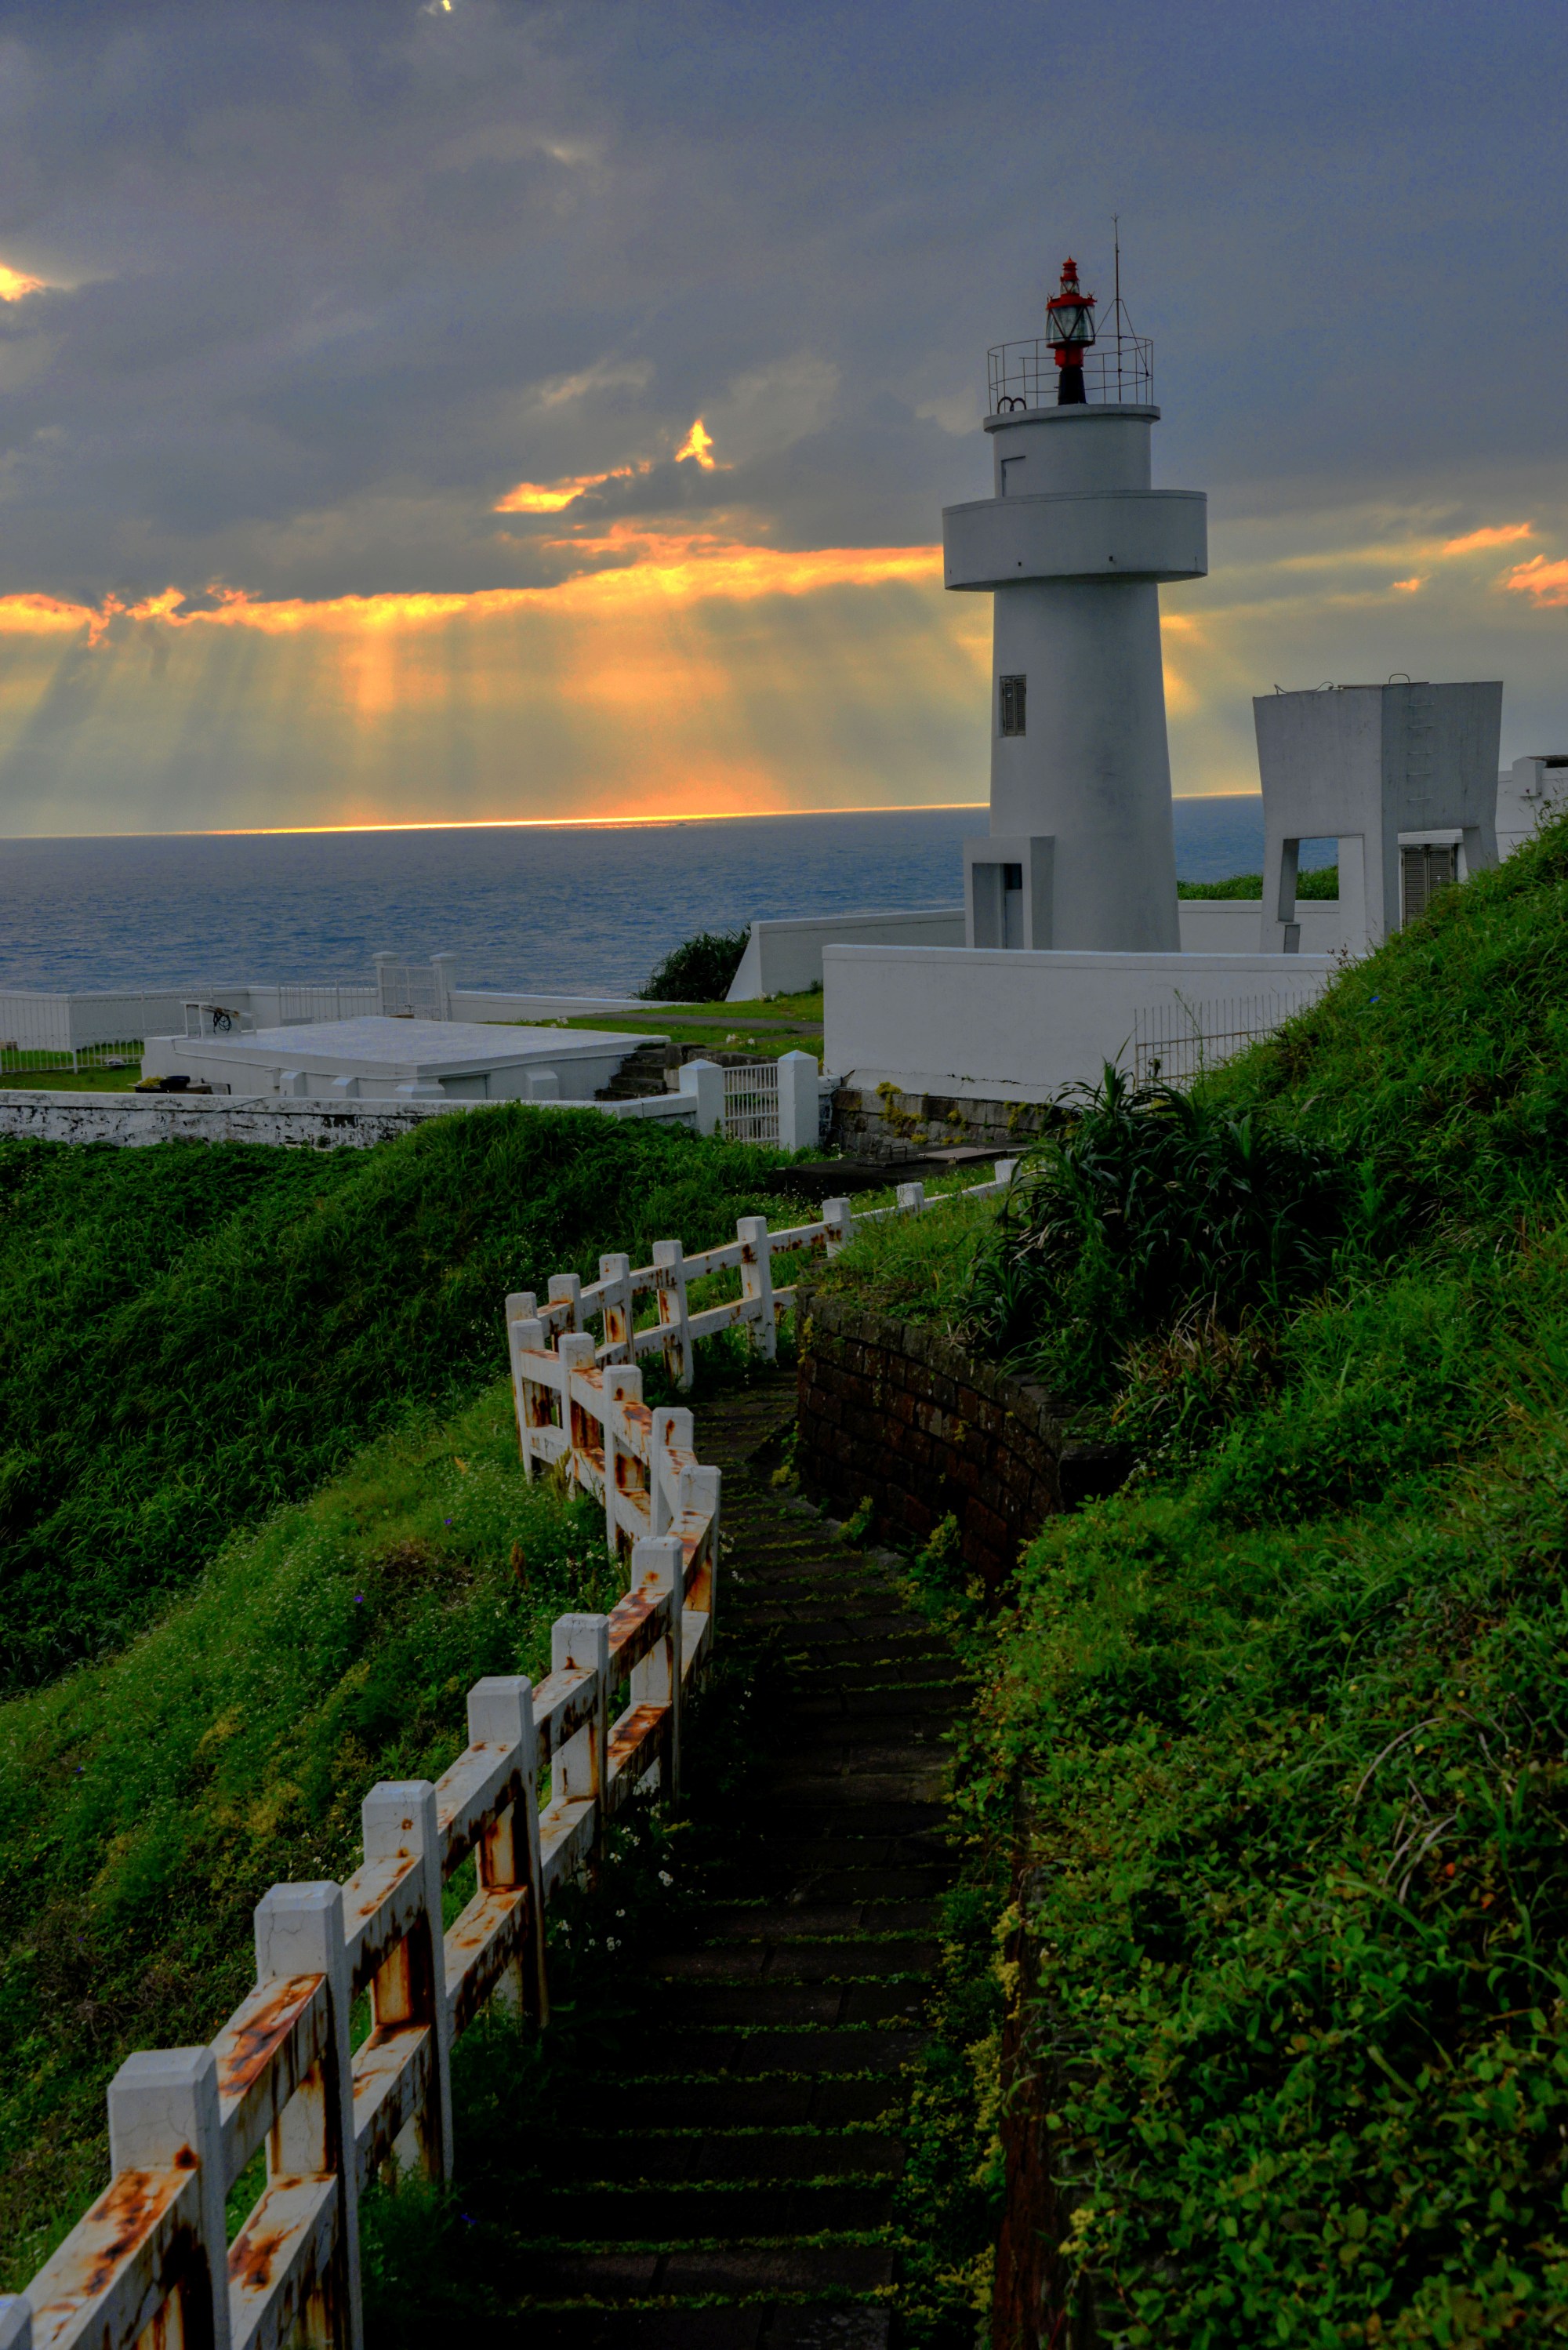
(743,2192)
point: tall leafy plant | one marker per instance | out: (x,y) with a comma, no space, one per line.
(1139,1206)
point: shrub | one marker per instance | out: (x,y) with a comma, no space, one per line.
(1142,1206)
(700,971)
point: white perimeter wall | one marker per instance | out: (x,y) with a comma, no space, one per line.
(1235,926)
(784,957)
(998,1024)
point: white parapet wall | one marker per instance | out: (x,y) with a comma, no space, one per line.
(784,957)
(1235,926)
(1003,1025)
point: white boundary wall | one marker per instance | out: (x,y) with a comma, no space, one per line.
(1000,1024)
(1235,926)
(784,957)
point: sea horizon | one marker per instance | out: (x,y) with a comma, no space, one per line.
(577,905)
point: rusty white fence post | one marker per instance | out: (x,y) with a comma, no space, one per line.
(581,1644)
(299,1931)
(700,1491)
(911,1197)
(531,1398)
(622,1384)
(566,1289)
(839,1218)
(614,1283)
(670,1282)
(657,1570)
(673,1430)
(399,1822)
(757,1284)
(501,1712)
(16,2323)
(163,2116)
(576,1351)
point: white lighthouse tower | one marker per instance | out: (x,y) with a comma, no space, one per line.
(1073,545)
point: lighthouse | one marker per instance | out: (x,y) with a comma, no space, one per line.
(1074,544)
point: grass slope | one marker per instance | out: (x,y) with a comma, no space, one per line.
(1272,1754)
(197,1333)
(148,1801)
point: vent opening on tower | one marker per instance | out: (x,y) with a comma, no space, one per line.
(1013,689)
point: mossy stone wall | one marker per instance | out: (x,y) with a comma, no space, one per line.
(898,1412)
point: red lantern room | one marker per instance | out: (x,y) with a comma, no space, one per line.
(1070,327)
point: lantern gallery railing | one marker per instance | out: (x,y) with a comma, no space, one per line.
(1118,367)
(148,2265)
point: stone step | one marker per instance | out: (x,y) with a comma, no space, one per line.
(732,2325)
(801,2270)
(677,2213)
(851,1957)
(694,2158)
(821,1922)
(783,2101)
(693,2052)
(767,2004)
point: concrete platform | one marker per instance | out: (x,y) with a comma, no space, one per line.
(376,1058)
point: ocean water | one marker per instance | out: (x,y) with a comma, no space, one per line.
(582,907)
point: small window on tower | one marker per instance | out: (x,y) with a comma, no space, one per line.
(1013,691)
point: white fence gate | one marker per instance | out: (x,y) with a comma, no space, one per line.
(751,1102)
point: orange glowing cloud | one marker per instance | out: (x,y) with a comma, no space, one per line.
(1546,583)
(16,287)
(650,570)
(698,443)
(1409,587)
(549,497)
(1476,542)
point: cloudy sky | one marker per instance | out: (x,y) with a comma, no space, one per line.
(423,410)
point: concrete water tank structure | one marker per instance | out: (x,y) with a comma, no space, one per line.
(1380,769)
(1073,545)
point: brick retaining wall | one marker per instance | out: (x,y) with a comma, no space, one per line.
(895,1410)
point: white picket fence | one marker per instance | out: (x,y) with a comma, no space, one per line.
(147,2268)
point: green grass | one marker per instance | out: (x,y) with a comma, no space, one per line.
(196,1333)
(72,1081)
(148,1801)
(1323,882)
(1266,1789)
(915,1268)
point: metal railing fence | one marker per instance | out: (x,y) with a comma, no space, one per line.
(1173,1044)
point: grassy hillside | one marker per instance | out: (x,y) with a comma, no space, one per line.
(1267,1784)
(148,1801)
(197,1333)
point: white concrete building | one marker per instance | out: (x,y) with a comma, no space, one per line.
(376,1058)
(1392,773)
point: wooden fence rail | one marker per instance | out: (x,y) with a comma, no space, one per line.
(148,2268)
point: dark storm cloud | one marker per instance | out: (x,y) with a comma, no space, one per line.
(329,280)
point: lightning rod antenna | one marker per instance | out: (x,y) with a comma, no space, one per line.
(1116,313)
